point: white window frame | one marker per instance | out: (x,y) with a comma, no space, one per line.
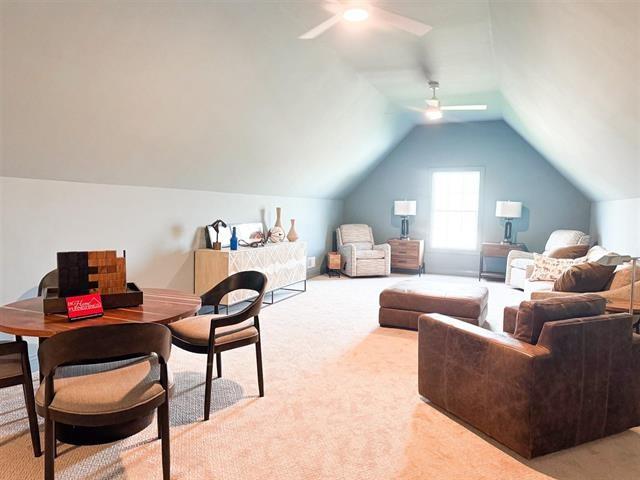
(476,248)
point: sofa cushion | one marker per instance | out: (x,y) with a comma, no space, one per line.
(369,253)
(533,314)
(453,299)
(550,269)
(572,251)
(584,277)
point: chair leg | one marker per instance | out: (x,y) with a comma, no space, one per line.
(163,416)
(219,364)
(49,449)
(207,387)
(27,388)
(159,423)
(259,366)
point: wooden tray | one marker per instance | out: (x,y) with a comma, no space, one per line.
(51,303)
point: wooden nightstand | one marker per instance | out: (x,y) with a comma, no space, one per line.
(407,254)
(500,250)
(334,260)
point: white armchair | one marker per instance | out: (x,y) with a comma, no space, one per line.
(360,256)
(520,264)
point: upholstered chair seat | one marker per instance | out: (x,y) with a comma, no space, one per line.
(373,254)
(108,391)
(10,365)
(195,330)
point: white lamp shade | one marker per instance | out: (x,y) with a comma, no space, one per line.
(404,207)
(508,209)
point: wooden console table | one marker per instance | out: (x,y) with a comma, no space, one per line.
(284,264)
(407,254)
(499,250)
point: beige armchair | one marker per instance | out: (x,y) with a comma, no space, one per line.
(520,264)
(360,256)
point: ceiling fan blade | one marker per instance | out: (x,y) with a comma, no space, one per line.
(415,109)
(403,23)
(320,29)
(463,107)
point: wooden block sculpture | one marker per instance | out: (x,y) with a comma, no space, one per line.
(81,273)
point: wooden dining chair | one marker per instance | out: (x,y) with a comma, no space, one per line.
(16,370)
(214,334)
(107,398)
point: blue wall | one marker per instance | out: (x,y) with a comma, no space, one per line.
(513,170)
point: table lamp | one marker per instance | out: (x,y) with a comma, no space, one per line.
(404,209)
(508,210)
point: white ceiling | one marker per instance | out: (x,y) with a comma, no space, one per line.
(223,96)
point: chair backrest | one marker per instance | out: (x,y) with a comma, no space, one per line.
(566,238)
(357,234)
(50,280)
(104,343)
(248,280)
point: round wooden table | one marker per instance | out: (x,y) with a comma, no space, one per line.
(25,318)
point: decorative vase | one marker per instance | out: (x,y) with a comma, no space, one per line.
(276,234)
(292,236)
(279,218)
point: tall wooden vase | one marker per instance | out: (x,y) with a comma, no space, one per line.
(292,236)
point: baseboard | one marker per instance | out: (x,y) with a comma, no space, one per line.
(313,272)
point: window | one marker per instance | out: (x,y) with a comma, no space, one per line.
(455,200)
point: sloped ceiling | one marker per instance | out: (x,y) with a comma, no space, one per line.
(200,95)
(223,96)
(570,77)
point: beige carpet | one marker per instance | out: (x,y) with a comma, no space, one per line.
(341,403)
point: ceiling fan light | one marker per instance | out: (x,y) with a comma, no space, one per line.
(433,113)
(355,14)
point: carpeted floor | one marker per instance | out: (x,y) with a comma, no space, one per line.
(341,403)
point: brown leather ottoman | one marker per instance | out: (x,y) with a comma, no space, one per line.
(402,303)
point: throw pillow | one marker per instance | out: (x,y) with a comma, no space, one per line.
(533,314)
(573,251)
(549,269)
(584,277)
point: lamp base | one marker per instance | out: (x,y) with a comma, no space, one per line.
(405,229)
(507,232)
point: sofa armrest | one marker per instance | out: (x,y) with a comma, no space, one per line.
(348,253)
(513,254)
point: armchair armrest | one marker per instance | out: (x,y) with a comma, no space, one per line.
(348,253)
(543,294)
(386,248)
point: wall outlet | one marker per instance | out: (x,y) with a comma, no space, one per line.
(311,262)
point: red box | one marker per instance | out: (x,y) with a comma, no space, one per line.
(84,306)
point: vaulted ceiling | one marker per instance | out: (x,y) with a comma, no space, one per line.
(224,96)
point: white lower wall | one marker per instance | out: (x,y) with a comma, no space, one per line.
(158,227)
(615,224)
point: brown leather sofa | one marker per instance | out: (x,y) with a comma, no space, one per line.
(575,383)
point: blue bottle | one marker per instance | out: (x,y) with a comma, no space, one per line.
(234,239)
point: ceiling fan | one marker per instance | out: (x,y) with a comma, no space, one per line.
(360,11)
(435,108)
